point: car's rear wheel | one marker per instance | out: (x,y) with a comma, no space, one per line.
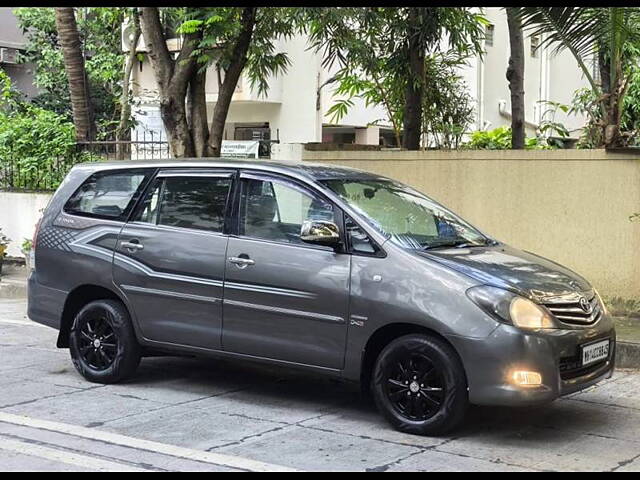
(103,344)
(419,385)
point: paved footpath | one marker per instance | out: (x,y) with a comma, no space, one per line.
(187,414)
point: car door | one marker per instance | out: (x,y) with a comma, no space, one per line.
(170,258)
(284,299)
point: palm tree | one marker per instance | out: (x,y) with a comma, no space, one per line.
(601,33)
(515,76)
(74,67)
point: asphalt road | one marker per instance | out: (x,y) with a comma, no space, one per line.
(187,414)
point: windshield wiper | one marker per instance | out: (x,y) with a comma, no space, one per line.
(444,244)
(461,243)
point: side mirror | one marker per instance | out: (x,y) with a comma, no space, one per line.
(320,232)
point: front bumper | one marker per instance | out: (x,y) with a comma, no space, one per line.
(490,362)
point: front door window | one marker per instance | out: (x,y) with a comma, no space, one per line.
(275,210)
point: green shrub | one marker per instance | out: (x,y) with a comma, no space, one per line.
(500,139)
(27,244)
(623,307)
(37,146)
(4,243)
(496,139)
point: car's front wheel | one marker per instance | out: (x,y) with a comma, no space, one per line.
(103,344)
(420,386)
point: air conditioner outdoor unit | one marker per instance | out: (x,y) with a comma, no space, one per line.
(8,55)
(127,37)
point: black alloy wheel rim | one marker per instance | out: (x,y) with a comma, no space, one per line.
(98,343)
(415,387)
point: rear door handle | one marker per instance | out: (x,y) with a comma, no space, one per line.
(132,246)
(241,262)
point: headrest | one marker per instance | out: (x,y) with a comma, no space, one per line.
(261,208)
(320,210)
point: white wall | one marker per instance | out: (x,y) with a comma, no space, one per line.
(18,217)
(287,151)
(299,120)
(547,77)
(565,77)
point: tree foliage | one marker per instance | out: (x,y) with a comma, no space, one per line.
(606,34)
(99,29)
(448,107)
(36,145)
(232,40)
(373,50)
(220,27)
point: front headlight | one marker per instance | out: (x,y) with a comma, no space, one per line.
(526,314)
(511,308)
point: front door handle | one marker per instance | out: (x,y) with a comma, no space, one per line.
(241,262)
(132,246)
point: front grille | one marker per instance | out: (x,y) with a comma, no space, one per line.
(569,310)
(571,368)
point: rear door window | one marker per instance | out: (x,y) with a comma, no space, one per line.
(109,195)
(197,202)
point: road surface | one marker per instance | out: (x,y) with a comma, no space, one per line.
(188,414)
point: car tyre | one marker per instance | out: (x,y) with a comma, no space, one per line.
(420,386)
(103,344)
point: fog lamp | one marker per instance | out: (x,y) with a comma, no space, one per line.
(526,379)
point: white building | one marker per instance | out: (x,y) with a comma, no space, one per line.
(294,109)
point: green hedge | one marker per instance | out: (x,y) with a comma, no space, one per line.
(37,148)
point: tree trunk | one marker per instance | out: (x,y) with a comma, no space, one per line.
(604,66)
(197,103)
(515,76)
(611,132)
(74,67)
(611,97)
(123,133)
(174,118)
(413,90)
(172,77)
(232,74)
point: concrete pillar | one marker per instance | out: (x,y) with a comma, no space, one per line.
(368,136)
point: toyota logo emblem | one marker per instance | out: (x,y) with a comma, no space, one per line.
(585,305)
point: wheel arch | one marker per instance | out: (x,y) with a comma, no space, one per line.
(385,335)
(76,300)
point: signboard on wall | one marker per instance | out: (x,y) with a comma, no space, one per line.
(240,148)
(149,136)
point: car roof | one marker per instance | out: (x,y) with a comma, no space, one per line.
(311,171)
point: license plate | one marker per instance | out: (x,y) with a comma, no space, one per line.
(595,352)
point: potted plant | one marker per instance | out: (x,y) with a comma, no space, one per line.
(4,242)
(26,251)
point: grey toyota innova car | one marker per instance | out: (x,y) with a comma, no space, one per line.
(319,267)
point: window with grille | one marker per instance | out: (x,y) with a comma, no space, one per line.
(489,34)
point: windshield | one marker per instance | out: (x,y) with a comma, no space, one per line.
(406,216)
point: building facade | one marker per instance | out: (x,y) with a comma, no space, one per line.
(12,41)
(295,108)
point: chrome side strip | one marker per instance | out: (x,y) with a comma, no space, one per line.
(272,290)
(286,311)
(165,293)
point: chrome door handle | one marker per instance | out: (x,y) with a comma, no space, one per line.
(241,262)
(132,246)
